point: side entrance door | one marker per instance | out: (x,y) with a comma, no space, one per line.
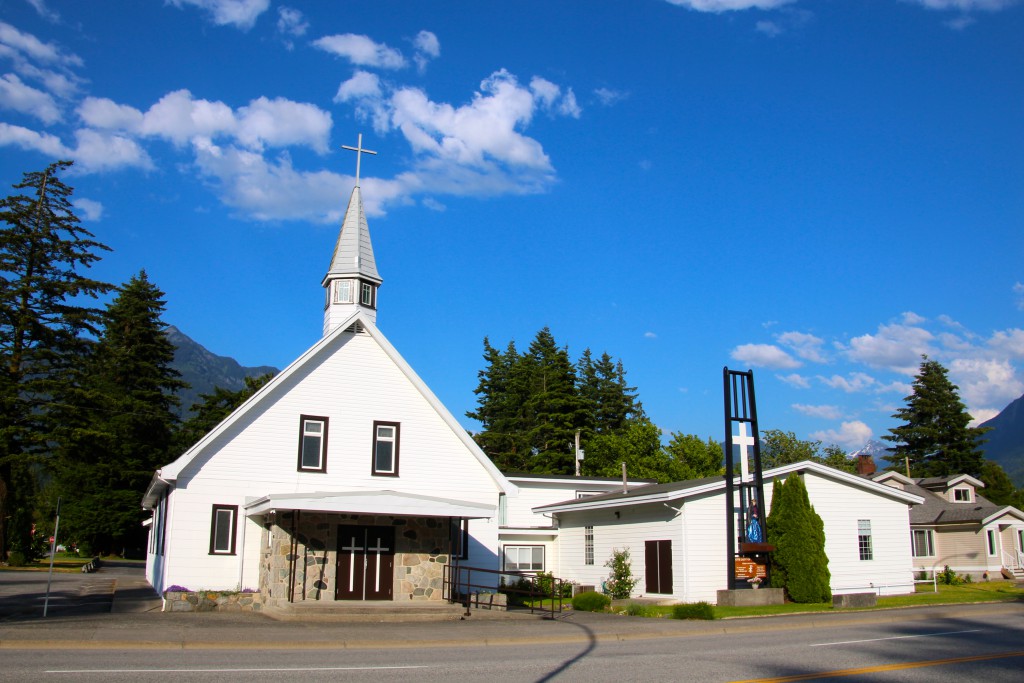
(658,566)
(366,563)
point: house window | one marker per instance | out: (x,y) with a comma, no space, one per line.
(312,443)
(523,558)
(385,448)
(502,510)
(864,539)
(222,530)
(343,292)
(459,533)
(924,543)
(1020,540)
(991,534)
(367,295)
(588,545)
(962,495)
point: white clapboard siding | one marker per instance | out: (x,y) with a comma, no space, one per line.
(352,381)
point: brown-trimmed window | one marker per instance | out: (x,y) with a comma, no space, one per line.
(385,448)
(312,443)
(222,529)
(459,532)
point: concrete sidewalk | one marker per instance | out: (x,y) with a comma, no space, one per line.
(135,622)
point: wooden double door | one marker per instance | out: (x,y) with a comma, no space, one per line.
(366,563)
(658,566)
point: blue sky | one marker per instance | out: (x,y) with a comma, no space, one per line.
(820,191)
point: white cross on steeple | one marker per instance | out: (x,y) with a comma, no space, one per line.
(744,441)
(358,149)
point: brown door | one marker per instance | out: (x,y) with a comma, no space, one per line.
(658,566)
(366,563)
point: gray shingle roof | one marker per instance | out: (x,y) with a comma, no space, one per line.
(938,510)
(353,253)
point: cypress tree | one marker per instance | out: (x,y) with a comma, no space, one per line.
(799,563)
(43,251)
(935,437)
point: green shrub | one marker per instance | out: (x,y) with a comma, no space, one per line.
(948,577)
(590,601)
(694,610)
(635,609)
(966,578)
(16,558)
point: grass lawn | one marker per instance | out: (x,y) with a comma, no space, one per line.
(989,591)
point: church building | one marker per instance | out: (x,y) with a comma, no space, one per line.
(343,478)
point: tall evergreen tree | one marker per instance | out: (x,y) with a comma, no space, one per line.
(501,396)
(122,424)
(43,251)
(935,437)
(553,409)
(609,402)
(799,563)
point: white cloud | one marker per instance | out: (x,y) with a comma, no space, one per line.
(981,415)
(25,99)
(850,435)
(911,318)
(765,355)
(291,22)
(27,45)
(281,123)
(966,5)
(45,12)
(985,383)
(650,335)
(795,380)
(857,381)
(102,151)
(1008,343)
(805,346)
(608,97)
(241,14)
(896,347)
(769,28)
(1018,293)
(179,118)
(361,50)
(106,114)
(826,412)
(427,47)
(47,144)
(729,5)
(88,210)
(551,99)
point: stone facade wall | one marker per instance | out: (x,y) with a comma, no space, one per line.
(211,601)
(421,552)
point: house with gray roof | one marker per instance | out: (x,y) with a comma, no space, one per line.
(958,527)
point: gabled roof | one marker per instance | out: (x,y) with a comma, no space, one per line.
(353,253)
(680,490)
(936,510)
(950,481)
(169,473)
(573,479)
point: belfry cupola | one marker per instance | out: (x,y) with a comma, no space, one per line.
(352,281)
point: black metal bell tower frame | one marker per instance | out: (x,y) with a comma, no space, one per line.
(741,409)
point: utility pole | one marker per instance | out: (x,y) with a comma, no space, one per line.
(579,453)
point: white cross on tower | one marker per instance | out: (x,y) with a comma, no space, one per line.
(744,441)
(358,149)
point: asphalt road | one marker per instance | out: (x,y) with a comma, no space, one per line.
(964,643)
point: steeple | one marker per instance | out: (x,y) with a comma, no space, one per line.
(352,280)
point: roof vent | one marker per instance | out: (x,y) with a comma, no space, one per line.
(355,328)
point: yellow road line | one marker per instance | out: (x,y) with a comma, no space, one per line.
(885,667)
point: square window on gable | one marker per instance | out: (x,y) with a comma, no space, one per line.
(312,444)
(385,448)
(962,495)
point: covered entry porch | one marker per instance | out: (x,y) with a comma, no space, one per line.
(359,546)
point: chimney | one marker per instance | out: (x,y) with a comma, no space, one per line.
(866,465)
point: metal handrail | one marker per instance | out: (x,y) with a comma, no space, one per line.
(465,585)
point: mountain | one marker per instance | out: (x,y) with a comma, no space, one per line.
(876,449)
(1005,443)
(204,370)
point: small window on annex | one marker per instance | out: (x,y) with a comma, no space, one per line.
(312,443)
(523,558)
(962,495)
(222,530)
(366,297)
(588,545)
(864,539)
(924,543)
(385,448)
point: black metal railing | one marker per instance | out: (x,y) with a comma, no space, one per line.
(480,588)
